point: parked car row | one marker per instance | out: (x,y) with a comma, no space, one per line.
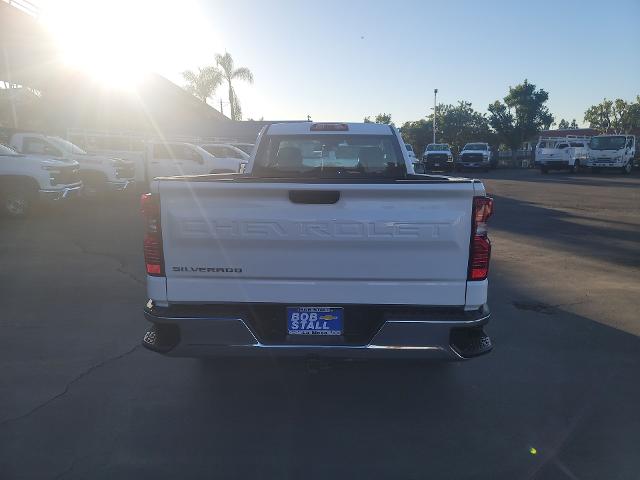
(35,167)
(439,157)
(575,153)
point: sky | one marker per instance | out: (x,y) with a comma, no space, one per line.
(343,60)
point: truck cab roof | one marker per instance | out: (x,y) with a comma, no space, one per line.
(328,128)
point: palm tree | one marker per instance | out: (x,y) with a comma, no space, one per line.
(225,62)
(203,83)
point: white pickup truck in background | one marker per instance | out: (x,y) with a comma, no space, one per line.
(244,146)
(562,153)
(236,158)
(165,157)
(612,152)
(26,180)
(127,147)
(328,245)
(437,157)
(411,153)
(99,174)
(475,155)
(182,158)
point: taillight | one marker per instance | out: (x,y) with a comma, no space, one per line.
(480,248)
(152,245)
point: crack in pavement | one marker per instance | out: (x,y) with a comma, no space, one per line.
(68,386)
(131,276)
(70,468)
(110,256)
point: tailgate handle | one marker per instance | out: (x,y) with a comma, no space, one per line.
(314,197)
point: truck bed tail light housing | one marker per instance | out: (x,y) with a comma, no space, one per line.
(329,127)
(480,248)
(152,244)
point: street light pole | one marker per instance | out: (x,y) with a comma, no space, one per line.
(435,96)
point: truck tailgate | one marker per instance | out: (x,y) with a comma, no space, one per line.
(259,242)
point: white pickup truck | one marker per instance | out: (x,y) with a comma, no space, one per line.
(562,153)
(612,152)
(181,158)
(99,174)
(326,246)
(475,156)
(411,153)
(162,158)
(26,180)
(437,157)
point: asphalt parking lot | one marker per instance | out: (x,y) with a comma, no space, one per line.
(556,399)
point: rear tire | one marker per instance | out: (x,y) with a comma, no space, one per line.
(626,170)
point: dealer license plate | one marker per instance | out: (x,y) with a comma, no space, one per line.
(315,320)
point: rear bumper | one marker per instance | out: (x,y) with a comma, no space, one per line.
(203,331)
(55,195)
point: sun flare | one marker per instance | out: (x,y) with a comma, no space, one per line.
(117,42)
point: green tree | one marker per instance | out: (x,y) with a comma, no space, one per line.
(384,118)
(230,73)
(617,115)
(521,116)
(380,118)
(203,83)
(503,122)
(418,133)
(574,125)
(563,125)
(460,124)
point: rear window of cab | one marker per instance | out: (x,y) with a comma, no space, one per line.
(330,156)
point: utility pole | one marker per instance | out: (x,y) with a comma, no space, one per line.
(435,97)
(221,107)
